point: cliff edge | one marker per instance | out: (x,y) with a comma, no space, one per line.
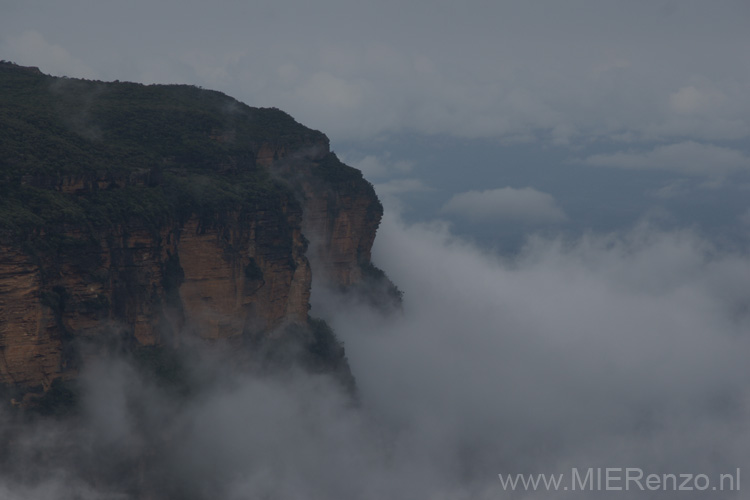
(139,214)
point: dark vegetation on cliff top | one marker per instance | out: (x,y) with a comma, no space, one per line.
(143,154)
(148,153)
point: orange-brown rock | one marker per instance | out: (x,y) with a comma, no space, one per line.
(221,299)
(29,353)
(341,215)
(122,285)
(344,227)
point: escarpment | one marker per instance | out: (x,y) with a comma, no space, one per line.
(141,214)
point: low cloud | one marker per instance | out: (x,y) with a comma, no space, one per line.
(690,158)
(523,205)
(609,351)
(615,350)
(691,100)
(676,189)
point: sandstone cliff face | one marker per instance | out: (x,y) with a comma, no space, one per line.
(344,226)
(216,282)
(341,211)
(219,267)
(28,350)
(246,275)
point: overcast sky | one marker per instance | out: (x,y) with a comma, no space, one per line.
(615,135)
(657,88)
(562,71)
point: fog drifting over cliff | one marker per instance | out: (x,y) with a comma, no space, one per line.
(624,350)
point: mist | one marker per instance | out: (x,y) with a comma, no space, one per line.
(610,350)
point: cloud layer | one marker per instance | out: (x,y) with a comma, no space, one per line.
(600,352)
(526,205)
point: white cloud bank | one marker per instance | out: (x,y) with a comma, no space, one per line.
(611,351)
(522,205)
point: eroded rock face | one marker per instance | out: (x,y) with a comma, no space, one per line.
(218,281)
(344,226)
(29,353)
(248,273)
(341,213)
(184,257)
(248,277)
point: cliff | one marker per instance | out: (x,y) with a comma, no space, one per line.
(141,214)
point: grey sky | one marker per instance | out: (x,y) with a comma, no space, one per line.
(564,71)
